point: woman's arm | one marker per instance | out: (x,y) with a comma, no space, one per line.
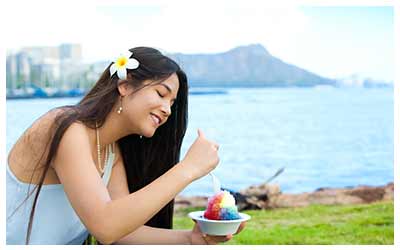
(118,188)
(109,220)
(156,236)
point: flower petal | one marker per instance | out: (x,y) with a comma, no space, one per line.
(117,57)
(113,68)
(132,64)
(121,72)
(127,54)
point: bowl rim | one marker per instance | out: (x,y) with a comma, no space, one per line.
(198,216)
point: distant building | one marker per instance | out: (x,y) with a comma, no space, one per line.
(11,69)
(70,52)
(39,54)
(45,67)
(70,67)
(18,69)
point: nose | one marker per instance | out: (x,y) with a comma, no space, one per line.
(166,109)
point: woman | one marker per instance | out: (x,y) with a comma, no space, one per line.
(109,166)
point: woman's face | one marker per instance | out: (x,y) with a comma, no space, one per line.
(150,107)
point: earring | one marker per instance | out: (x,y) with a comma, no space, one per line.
(141,136)
(120,106)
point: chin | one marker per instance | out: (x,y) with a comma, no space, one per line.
(148,133)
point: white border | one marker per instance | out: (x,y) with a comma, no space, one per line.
(2,145)
(396,120)
(280,3)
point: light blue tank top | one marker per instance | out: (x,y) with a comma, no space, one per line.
(55,221)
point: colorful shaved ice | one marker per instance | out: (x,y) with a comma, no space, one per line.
(221,206)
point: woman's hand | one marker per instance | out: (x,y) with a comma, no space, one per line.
(199,238)
(202,157)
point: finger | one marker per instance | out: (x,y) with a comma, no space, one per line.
(242,225)
(196,227)
(200,133)
(209,239)
(218,239)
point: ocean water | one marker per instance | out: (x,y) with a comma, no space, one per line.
(323,137)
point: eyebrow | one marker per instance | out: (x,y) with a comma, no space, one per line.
(168,88)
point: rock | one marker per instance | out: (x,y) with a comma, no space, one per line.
(333,196)
(263,189)
(267,196)
(368,194)
(192,201)
(325,197)
(389,192)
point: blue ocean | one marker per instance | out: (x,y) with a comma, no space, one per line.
(322,137)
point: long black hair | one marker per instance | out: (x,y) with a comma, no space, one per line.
(144,159)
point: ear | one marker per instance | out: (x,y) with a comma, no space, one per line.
(123,87)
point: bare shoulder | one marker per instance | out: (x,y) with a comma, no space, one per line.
(78,131)
(34,139)
(75,140)
(44,122)
(30,150)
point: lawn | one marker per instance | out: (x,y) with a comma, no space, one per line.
(313,225)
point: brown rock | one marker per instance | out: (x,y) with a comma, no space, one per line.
(192,201)
(368,194)
(261,190)
(269,196)
(389,192)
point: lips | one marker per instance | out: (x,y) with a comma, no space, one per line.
(156,119)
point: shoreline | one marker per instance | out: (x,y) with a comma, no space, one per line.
(269,196)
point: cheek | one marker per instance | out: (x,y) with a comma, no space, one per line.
(131,110)
(139,108)
(151,104)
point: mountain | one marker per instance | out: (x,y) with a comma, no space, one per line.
(246,66)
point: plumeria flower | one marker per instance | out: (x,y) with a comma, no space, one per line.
(122,63)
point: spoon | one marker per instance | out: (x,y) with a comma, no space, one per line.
(216,183)
(275,175)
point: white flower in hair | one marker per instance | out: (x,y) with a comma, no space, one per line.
(122,63)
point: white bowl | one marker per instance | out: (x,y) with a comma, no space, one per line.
(217,227)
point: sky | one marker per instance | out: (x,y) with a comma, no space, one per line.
(331,41)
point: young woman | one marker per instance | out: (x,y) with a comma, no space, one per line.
(109,165)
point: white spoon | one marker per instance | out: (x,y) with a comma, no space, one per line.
(216,183)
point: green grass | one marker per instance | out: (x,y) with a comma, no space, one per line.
(314,225)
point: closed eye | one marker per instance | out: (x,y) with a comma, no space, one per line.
(159,94)
(162,96)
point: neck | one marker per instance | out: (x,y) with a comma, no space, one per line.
(114,128)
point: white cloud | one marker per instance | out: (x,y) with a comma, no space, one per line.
(106,28)
(39,22)
(199,27)
(182,26)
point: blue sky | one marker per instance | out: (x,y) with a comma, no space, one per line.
(351,39)
(331,41)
